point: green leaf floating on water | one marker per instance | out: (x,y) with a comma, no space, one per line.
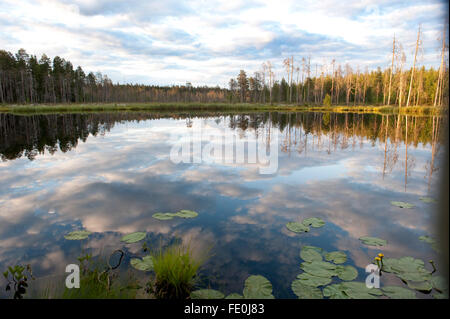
(186,213)
(133,237)
(338,257)
(77,235)
(408,269)
(207,294)
(144,264)
(358,290)
(346,273)
(313,222)
(427,239)
(311,253)
(163,216)
(427,200)
(313,281)
(420,285)
(297,227)
(395,292)
(234,296)
(319,268)
(402,204)
(373,241)
(439,283)
(304,291)
(335,292)
(257,287)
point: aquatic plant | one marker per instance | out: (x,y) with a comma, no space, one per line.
(17,278)
(77,235)
(373,241)
(184,213)
(175,272)
(133,237)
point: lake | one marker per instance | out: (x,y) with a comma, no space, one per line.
(109,173)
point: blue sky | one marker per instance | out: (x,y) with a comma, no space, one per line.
(207,42)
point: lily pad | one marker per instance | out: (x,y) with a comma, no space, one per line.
(346,273)
(335,292)
(427,239)
(133,237)
(439,283)
(359,290)
(395,292)
(373,241)
(313,281)
(428,200)
(420,285)
(338,257)
(297,227)
(304,291)
(313,222)
(234,296)
(319,268)
(186,214)
(257,287)
(77,235)
(163,216)
(440,296)
(402,204)
(207,294)
(311,253)
(407,268)
(144,264)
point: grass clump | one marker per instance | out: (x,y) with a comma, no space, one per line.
(175,272)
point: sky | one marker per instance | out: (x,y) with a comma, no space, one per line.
(207,42)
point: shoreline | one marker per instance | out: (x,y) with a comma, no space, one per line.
(177,107)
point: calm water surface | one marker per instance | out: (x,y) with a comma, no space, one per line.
(109,173)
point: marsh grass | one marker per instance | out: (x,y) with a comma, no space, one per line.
(214,107)
(176,271)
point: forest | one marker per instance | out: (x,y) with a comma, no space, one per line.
(26,79)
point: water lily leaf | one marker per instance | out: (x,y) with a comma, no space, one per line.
(319,268)
(163,216)
(335,292)
(427,199)
(257,287)
(133,237)
(313,222)
(186,214)
(427,239)
(402,204)
(234,296)
(359,290)
(297,227)
(313,281)
(420,285)
(395,292)
(440,296)
(77,235)
(144,264)
(311,253)
(439,283)
(407,268)
(338,257)
(373,241)
(207,294)
(346,272)
(304,291)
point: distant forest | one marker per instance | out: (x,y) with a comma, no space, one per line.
(25,79)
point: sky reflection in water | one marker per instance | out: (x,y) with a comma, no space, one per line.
(112,183)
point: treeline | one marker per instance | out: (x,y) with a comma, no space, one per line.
(26,79)
(336,84)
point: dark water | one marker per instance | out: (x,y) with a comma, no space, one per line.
(109,173)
